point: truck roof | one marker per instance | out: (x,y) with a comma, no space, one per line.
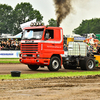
(41,27)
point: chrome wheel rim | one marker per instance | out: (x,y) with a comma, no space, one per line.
(55,64)
(90,64)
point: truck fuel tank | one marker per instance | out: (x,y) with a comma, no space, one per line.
(77,49)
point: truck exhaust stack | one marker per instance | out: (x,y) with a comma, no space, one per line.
(58,24)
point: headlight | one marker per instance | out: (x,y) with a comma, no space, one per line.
(38,55)
(20,55)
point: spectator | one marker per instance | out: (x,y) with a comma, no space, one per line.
(90,47)
(94,48)
(0,47)
(14,45)
(10,45)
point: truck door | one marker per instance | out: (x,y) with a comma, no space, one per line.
(54,44)
(48,45)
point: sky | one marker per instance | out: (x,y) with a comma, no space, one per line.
(82,10)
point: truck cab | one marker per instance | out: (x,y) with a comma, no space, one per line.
(42,46)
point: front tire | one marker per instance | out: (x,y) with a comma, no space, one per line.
(55,63)
(33,67)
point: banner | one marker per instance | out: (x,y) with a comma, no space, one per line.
(79,38)
(9,54)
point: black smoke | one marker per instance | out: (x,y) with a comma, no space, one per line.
(63,8)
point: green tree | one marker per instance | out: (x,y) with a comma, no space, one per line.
(88,26)
(36,14)
(52,22)
(6,18)
(22,13)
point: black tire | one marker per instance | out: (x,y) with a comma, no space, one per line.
(55,63)
(87,64)
(33,67)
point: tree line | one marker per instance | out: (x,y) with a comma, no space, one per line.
(11,19)
(88,26)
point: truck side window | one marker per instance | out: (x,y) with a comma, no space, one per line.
(51,34)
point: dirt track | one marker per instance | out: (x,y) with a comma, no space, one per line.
(62,88)
(7,68)
(83,88)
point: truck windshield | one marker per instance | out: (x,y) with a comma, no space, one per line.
(33,34)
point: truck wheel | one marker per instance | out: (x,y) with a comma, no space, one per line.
(33,67)
(55,63)
(87,64)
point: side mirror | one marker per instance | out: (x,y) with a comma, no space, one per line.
(47,36)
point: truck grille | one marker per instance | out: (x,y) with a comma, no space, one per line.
(29,47)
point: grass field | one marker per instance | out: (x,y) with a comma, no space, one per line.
(9,60)
(48,75)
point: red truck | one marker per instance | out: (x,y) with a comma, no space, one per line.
(43,46)
(38,50)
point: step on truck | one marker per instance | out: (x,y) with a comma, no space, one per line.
(43,46)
